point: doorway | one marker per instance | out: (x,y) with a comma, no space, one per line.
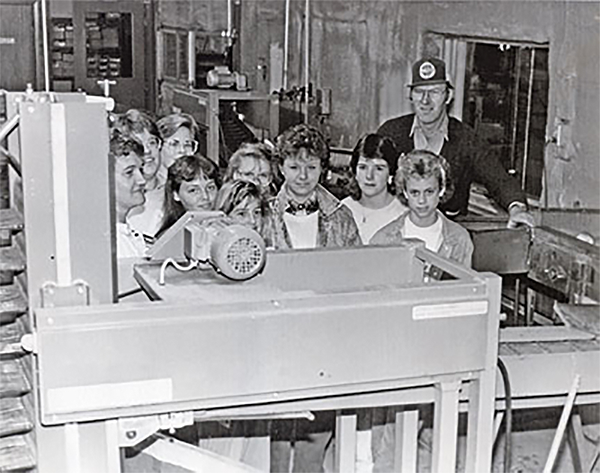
(506,101)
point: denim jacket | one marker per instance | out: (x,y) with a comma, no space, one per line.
(336,226)
(456,242)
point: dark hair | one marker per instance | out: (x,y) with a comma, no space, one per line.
(123,145)
(374,146)
(233,193)
(423,164)
(302,136)
(136,121)
(168,126)
(185,168)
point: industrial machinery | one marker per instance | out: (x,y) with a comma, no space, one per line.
(331,329)
(234,251)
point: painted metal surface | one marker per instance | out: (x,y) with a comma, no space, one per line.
(347,332)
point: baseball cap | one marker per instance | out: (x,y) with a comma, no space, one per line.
(429,71)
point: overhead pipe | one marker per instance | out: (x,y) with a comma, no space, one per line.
(528,122)
(515,115)
(45,47)
(306,57)
(286,45)
(229,18)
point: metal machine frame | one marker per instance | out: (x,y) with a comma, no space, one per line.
(322,339)
(367,330)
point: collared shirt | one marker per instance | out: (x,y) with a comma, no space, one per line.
(335,224)
(307,207)
(301,220)
(471,160)
(434,143)
(130,243)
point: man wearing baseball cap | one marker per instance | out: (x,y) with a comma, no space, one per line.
(470,158)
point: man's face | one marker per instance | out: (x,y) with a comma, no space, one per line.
(372,176)
(129,182)
(301,174)
(254,170)
(423,197)
(197,194)
(151,160)
(429,102)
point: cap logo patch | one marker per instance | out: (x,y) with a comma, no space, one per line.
(427,70)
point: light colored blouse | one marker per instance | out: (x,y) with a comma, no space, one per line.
(369,221)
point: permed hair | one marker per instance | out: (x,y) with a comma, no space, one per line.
(296,138)
(136,121)
(422,164)
(123,145)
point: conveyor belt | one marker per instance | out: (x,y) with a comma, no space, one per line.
(542,362)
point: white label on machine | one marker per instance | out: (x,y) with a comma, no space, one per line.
(102,396)
(456,309)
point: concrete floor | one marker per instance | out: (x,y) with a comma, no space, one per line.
(532,436)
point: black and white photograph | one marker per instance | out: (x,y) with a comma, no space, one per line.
(299,236)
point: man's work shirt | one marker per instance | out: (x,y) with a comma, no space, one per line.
(470,159)
(433,143)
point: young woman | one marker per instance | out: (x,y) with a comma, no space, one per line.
(253,162)
(243,203)
(179,134)
(304,214)
(373,205)
(192,184)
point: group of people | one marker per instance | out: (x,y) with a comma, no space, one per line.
(412,178)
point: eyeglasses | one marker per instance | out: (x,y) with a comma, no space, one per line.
(433,94)
(264,179)
(190,146)
(153,143)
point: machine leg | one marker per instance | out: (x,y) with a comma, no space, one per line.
(91,447)
(445,426)
(577,442)
(407,431)
(345,434)
(529,306)
(480,428)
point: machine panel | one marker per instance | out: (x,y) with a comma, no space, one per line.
(270,339)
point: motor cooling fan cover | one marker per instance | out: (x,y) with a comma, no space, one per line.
(238,252)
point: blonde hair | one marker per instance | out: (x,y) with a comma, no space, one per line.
(422,164)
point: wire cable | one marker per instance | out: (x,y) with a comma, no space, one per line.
(507,417)
(170,261)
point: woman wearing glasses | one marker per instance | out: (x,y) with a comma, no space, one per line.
(253,162)
(171,137)
(179,132)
